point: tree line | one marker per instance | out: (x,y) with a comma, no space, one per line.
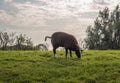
(105,33)
(11,41)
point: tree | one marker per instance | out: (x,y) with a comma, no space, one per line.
(42,47)
(23,42)
(20,40)
(9,41)
(116,23)
(1,39)
(12,38)
(4,39)
(29,41)
(105,34)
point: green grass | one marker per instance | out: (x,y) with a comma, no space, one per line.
(41,67)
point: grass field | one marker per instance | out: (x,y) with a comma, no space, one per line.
(41,67)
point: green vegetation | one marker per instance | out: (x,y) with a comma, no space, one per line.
(105,32)
(41,67)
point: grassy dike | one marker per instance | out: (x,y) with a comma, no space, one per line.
(41,67)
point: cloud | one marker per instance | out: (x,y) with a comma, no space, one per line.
(37,17)
(8,1)
(8,7)
(30,14)
(37,14)
(101,4)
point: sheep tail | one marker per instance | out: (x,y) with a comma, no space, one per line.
(47,37)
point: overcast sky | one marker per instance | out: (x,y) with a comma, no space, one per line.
(38,18)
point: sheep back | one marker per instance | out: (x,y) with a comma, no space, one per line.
(62,39)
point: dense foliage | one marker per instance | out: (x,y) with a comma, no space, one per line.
(105,34)
(41,67)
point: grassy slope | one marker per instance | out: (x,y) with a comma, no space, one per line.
(41,67)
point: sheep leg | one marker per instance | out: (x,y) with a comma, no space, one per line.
(54,51)
(66,52)
(70,53)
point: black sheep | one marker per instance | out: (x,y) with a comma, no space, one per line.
(68,41)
